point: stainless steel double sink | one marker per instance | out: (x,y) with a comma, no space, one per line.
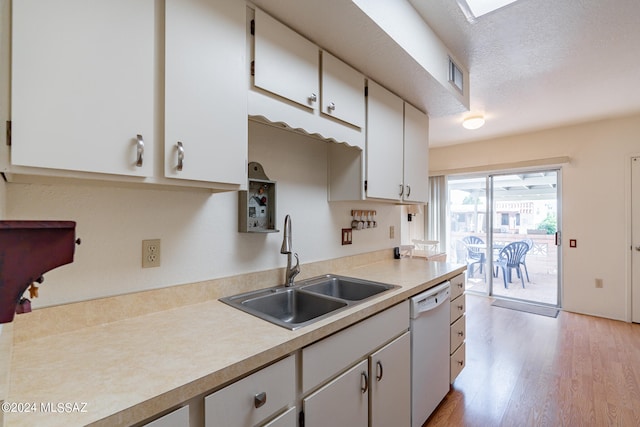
(307,301)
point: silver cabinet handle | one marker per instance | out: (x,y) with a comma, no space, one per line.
(140,153)
(331,106)
(259,399)
(364,382)
(180,156)
(408,190)
(379,370)
(313,98)
(401,189)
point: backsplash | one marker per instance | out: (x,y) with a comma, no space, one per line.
(69,317)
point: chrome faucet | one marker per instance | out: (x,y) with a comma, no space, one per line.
(286,249)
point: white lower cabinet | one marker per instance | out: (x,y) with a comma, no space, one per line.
(343,401)
(390,379)
(361,375)
(265,397)
(458,327)
(177,418)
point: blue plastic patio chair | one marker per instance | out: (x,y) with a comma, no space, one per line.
(509,258)
(475,256)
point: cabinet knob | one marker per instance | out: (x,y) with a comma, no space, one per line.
(140,151)
(364,378)
(259,399)
(313,98)
(460,333)
(461,307)
(331,106)
(460,362)
(379,370)
(638,248)
(180,156)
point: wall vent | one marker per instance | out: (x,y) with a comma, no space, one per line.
(456,76)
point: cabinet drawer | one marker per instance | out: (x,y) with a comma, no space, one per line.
(458,332)
(457,286)
(177,418)
(326,358)
(458,362)
(237,404)
(458,307)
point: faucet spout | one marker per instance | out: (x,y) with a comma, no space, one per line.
(286,241)
(292,271)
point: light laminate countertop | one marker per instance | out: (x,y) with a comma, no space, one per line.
(127,371)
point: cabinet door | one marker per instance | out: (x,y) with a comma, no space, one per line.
(83,85)
(391,384)
(205,91)
(416,155)
(384,143)
(342,91)
(286,63)
(288,419)
(342,402)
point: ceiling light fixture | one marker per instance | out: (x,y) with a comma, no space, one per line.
(473,122)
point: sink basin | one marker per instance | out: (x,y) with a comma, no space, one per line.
(345,288)
(307,301)
(287,307)
(292,307)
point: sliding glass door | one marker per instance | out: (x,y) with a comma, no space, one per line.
(505,228)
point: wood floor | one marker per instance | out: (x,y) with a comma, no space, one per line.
(529,370)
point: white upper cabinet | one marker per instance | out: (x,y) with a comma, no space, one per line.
(286,63)
(82,85)
(205,91)
(384,144)
(342,91)
(397,148)
(416,155)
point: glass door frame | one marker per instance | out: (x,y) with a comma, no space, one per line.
(488,220)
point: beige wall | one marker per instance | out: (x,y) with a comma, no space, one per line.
(595,201)
(199,233)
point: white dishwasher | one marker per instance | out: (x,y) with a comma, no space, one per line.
(430,335)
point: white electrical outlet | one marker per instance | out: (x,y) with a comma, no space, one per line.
(151,253)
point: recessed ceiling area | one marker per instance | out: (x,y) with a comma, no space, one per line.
(476,8)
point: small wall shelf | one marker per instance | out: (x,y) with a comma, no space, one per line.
(257,206)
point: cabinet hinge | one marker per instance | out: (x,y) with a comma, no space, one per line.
(253,27)
(9,132)
(365,185)
(301,419)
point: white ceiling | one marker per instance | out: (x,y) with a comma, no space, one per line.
(540,63)
(534,64)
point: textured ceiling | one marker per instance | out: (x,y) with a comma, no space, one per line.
(540,63)
(534,64)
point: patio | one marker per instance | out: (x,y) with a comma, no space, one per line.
(541,261)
